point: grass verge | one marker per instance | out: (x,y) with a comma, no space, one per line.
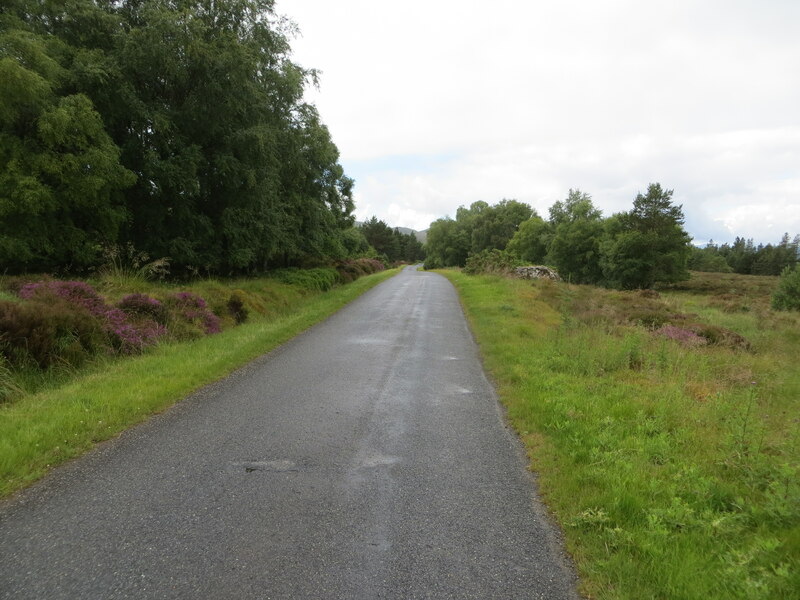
(41,430)
(671,464)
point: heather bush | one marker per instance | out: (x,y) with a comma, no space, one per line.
(47,333)
(75,292)
(368,265)
(237,309)
(190,315)
(787,296)
(143,305)
(126,336)
(685,337)
(15,283)
(348,272)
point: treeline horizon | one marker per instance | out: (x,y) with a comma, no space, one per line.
(628,250)
(743,256)
(176,127)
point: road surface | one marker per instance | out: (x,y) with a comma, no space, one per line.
(367,458)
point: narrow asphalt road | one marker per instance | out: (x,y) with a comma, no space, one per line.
(367,458)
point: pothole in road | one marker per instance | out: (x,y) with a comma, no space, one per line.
(271,466)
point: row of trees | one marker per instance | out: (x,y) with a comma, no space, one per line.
(391,243)
(633,249)
(177,126)
(743,256)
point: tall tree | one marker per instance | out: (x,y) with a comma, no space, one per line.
(577,232)
(380,236)
(494,226)
(60,172)
(531,240)
(647,244)
(201,102)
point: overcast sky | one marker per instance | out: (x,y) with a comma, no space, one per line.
(439,103)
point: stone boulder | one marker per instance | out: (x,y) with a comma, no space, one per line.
(536,272)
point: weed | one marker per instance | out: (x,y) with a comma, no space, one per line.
(127,266)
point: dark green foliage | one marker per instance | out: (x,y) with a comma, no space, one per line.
(60,172)
(494,261)
(647,244)
(629,250)
(381,237)
(477,228)
(354,242)
(391,243)
(494,226)
(447,245)
(531,240)
(787,296)
(320,279)
(178,127)
(574,249)
(708,260)
(744,257)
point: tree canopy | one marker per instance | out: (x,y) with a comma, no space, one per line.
(391,243)
(477,228)
(647,244)
(175,125)
(634,249)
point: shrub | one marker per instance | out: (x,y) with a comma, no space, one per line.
(491,261)
(191,309)
(75,292)
(144,306)
(49,333)
(787,295)
(432,263)
(320,279)
(15,283)
(237,309)
(719,336)
(685,337)
(125,336)
(370,265)
(348,272)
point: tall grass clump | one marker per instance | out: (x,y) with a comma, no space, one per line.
(664,430)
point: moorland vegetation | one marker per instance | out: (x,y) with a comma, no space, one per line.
(662,425)
(659,406)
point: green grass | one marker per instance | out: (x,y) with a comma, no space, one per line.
(39,431)
(672,474)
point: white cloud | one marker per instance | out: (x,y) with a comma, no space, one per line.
(528,99)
